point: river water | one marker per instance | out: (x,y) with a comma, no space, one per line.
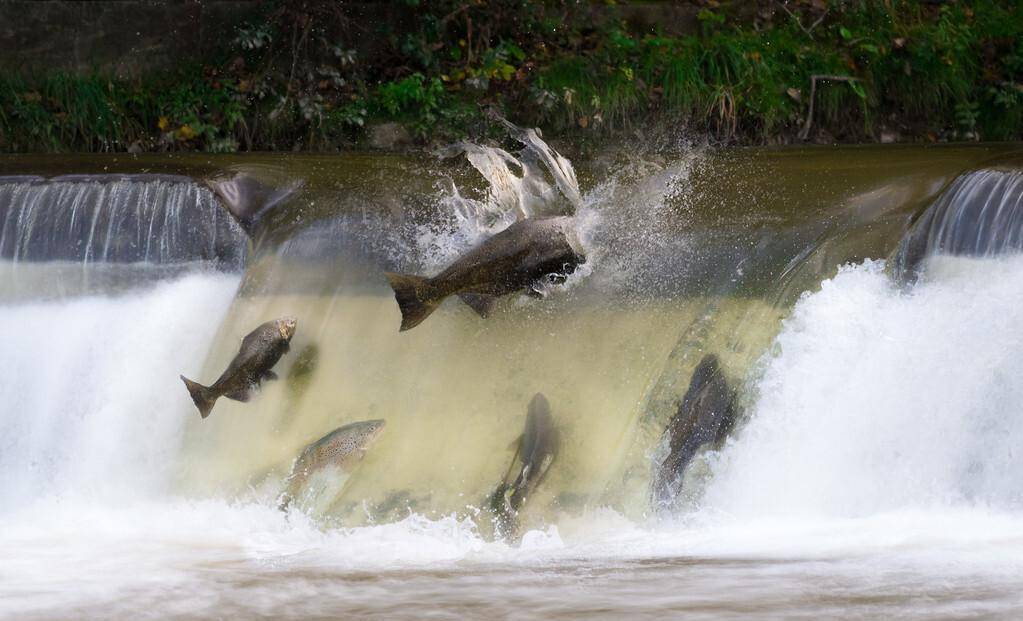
(873,471)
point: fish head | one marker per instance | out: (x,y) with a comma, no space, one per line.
(540,434)
(370,430)
(539,406)
(358,436)
(577,251)
(286,327)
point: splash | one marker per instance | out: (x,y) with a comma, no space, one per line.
(537,181)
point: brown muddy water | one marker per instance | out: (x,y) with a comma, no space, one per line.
(865,304)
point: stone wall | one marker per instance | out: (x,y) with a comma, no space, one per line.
(123,36)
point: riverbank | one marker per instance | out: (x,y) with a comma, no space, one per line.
(319,76)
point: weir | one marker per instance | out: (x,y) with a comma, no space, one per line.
(689,253)
(980,214)
(72,234)
(115,219)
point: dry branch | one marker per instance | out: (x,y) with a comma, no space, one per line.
(813,92)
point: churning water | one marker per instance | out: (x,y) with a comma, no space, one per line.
(874,472)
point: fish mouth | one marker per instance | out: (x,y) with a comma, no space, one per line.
(286,326)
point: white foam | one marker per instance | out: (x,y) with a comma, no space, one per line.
(92,399)
(876,399)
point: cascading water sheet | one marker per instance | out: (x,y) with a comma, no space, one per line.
(115,218)
(980,214)
(92,402)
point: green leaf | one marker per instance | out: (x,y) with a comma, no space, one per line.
(845,33)
(858,89)
(515,52)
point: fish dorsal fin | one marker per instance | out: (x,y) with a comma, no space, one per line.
(250,339)
(479,302)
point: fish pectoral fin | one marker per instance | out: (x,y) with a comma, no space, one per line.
(243,395)
(479,302)
(270,376)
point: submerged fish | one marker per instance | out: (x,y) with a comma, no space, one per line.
(537,447)
(340,449)
(259,352)
(301,373)
(705,416)
(521,257)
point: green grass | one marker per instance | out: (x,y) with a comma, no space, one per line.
(922,70)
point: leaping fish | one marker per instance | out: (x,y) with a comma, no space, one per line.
(341,449)
(521,257)
(259,352)
(537,447)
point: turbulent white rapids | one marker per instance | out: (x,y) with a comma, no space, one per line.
(90,390)
(877,472)
(876,399)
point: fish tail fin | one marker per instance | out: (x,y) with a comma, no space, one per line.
(504,516)
(200,395)
(413,299)
(248,200)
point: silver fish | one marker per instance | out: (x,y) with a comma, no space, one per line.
(342,449)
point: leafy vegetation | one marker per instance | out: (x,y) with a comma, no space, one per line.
(311,74)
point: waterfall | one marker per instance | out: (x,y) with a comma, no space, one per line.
(92,404)
(980,214)
(115,218)
(874,400)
